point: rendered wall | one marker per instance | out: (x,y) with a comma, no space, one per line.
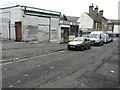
(35,28)
(85,21)
(8,17)
(40,28)
(54,34)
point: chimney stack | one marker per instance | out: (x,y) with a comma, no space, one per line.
(91,12)
(101,13)
(96,10)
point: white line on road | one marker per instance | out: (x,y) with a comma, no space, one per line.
(30,58)
(5,60)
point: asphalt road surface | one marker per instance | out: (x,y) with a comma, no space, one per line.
(94,68)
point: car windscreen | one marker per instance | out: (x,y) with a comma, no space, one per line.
(94,36)
(78,39)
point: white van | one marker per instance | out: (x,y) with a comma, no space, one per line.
(108,39)
(97,38)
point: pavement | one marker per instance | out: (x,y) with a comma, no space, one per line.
(12,50)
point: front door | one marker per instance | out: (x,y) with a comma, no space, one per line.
(65,34)
(18,31)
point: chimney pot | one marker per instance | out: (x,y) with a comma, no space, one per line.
(91,9)
(96,7)
(96,10)
(101,12)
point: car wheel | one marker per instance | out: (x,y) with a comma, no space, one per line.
(69,48)
(86,47)
(82,48)
(89,47)
(101,43)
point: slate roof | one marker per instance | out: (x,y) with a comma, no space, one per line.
(115,22)
(94,18)
(63,17)
(72,18)
(105,18)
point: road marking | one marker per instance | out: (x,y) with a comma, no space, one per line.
(30,58)
(6,60)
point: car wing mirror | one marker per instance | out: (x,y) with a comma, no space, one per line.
(86,40)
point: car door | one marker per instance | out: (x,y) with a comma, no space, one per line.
(86,43)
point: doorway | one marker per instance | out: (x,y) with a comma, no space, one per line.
(18,31)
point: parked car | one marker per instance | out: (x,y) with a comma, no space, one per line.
(107,38)
(79,43)
(110,38)
(97,38)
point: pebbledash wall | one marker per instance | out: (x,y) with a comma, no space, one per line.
(36,24)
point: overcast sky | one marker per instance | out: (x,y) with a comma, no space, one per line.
(69,7)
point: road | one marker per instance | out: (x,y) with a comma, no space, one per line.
(95,68)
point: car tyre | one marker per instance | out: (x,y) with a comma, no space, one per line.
(89,47)
(69,48)
(101,43)
(82,48)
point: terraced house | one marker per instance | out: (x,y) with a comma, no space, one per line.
(94,20)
